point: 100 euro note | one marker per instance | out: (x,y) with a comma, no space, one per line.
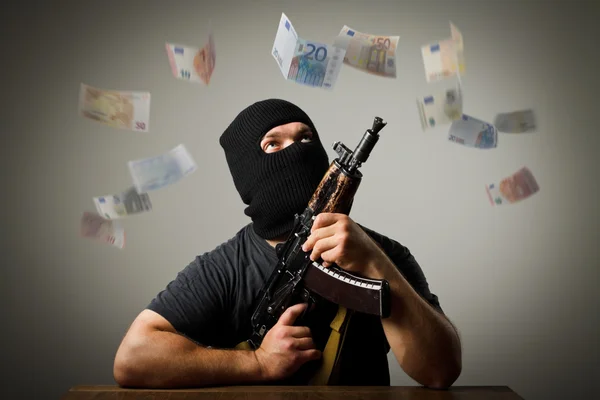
(440,108)
(117,109)
(516,121)
(375,54)
(191,63)
(518,186)
(445,58)
(94,227)
(303,61)
(155,173)
(473,132)
(124,204)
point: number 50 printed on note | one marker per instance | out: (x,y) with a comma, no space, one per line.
(303,61)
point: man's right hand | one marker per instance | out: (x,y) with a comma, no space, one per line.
(286,347)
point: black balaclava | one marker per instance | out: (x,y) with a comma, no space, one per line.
(277,185)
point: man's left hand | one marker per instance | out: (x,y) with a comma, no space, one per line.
(337,239)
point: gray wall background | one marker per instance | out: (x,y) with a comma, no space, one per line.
(519,281)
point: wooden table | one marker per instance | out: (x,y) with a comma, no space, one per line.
(294,392)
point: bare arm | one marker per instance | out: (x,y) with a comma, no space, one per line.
(424,341)
(153,354)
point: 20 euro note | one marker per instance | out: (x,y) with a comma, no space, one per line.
(440,108)
(473,132)
(305,62)
(117,109)
(516,121)
(192,64)
(375,54)
(155,173)
(121,205)
(94,227)
(445,58)
(518,186)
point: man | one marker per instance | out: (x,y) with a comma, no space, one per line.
(187,334)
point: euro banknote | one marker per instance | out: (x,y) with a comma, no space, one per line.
(121,205)
(440,108)
(375,54)
(303,61)
(473,132)
(518,186)
(516,121)
(192,64)
(155,173)
(445,58)
(94,227)
(117,109)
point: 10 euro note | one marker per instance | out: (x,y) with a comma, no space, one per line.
(121,205)
(445,58)
(473,132)
(374,54)
(94,227)
(518,186)
(516,121)
(305,62)
(117,109)
(440,108)
(155,173)
(192,64)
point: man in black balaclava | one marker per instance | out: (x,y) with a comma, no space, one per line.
(276,185)
(189,333)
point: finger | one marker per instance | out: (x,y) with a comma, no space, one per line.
(289,316)
(306,343)
(323,246)
(299,331)
(325,219)
(309,355)
(330,257)
(317,235)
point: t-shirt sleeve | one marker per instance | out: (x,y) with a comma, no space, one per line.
(196,302)
(407,265)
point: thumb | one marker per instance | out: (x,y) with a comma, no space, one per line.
(289,316)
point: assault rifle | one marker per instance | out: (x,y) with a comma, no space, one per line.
(296,277)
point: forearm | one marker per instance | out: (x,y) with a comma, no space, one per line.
(423,340)
(169,360)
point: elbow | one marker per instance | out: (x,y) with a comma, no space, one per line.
(445,377)
(125,373)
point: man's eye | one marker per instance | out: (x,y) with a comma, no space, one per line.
(306,138)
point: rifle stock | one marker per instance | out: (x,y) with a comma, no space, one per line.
(296,278)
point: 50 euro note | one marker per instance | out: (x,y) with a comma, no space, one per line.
(445,58)
(94,227)
(303,61)
(440,108)
(121,205)
(518,186)
(192,64)
(156,172)
(516,121)
(117,109)
(375,54)
(473,132)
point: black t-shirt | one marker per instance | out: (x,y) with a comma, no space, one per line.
(211,302)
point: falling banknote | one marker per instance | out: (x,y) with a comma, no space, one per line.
(371,53)
(124,110)
(124,204)
(97,228)
(440,108)
(154,173)
(192,64)
(516,187)
(515,122)
(303,61)
(444,58)
(473,132)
